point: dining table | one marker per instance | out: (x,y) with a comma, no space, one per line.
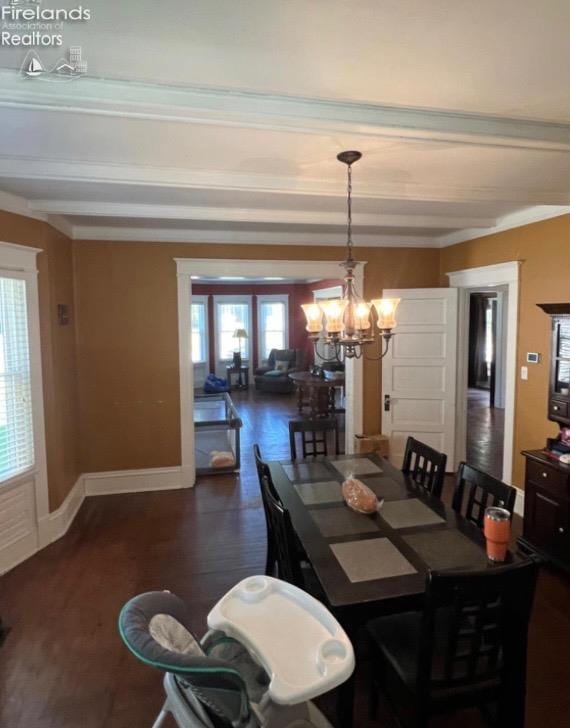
(372,565)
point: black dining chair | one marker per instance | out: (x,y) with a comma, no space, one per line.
(475,491)
(424,466)
(314,436)
(266,487)
(466,649)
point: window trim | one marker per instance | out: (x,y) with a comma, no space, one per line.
(271,298)
(227,298)
(201,299)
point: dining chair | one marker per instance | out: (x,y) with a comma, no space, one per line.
(475,491)
(285,546)
(266,486)
(424,466)
(466,649)
(314,436)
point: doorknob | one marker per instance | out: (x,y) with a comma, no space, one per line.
(386,403)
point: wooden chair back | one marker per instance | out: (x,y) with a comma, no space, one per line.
(475,491)
(314,436)
(286,554)
(267,488)
(425,466)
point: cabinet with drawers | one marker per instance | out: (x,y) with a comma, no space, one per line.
(546,526)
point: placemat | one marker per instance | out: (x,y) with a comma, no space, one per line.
(307,471)
(328,491)
(409,513)
(355,466)
(446,550)
(333,522)
(371,559)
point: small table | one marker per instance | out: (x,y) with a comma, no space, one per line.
(319,393)
(242,370)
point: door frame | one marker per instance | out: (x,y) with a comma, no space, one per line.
(212,267)
(501,274)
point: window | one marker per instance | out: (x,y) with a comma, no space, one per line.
(232,313)
(16,422)
(273,327)
(199,329)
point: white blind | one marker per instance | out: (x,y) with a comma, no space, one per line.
(198,333)
(16,426)
(232,316)
(272,325)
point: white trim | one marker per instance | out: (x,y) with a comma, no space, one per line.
(186,368)
(18,205)
(271,298)
(237,298)
(133,481)
(536,213)
(519,502)
(278,112)
(57,523)
(492,275)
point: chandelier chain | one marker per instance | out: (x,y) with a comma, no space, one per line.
(349,205)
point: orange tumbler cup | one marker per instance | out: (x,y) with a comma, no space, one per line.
(497,531)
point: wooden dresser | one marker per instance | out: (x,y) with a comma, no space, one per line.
(547,508)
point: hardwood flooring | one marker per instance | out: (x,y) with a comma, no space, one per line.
(63,664)
(485,431)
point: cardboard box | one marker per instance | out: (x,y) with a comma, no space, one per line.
(372,443)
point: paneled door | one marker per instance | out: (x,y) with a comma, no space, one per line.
(419,372)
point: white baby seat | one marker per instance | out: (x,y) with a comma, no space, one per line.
(270,649)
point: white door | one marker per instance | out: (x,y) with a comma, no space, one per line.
(419,372)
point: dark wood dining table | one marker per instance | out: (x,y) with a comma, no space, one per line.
(372,565)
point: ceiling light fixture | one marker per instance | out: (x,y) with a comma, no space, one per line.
(349,321)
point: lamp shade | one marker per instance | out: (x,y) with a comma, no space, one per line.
(240,334)
(314,317)
(386,310)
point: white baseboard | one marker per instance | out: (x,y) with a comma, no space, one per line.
(56,523)
(133,481)
(519,502)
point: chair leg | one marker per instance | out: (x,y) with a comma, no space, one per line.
(161,717)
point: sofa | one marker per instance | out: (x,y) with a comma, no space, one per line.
(274,377)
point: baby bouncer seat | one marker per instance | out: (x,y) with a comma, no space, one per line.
(270,649)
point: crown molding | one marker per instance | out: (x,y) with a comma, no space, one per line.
(254,215)
(19,206)
(508,222)
(277,112)
(164,235)
(224,180)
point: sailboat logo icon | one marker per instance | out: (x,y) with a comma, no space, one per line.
(32,66)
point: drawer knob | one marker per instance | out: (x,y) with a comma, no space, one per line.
(544,474)
(555,408)
(561,529)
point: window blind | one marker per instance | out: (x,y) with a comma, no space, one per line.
(16,424)
(198,333)
(232,316)
(272,324)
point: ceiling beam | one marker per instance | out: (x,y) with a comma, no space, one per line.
(255,215)
(222,180)
(277,112)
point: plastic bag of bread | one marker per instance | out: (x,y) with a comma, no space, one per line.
(359,497)
(221,459)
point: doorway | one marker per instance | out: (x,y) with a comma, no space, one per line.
(504,278)
(189,272)
(486,380)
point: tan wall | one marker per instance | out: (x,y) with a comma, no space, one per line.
(55,283)
(128,340)
(543,250)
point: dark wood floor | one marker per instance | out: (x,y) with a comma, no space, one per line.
(485,431)
(63,664)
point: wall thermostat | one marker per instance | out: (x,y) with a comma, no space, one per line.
(533,358)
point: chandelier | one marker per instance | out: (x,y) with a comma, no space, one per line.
(348,322)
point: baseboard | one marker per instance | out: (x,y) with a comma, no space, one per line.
(133,481)
(57,523)
(519,502)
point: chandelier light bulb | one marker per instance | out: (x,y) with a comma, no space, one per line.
(314,317)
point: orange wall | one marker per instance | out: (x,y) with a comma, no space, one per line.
(59,366)
(128,339)
(543,249)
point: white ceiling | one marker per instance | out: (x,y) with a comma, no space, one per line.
(221,121)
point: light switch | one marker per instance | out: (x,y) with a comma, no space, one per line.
(524,372)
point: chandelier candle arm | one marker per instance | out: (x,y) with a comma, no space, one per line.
(348,320)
